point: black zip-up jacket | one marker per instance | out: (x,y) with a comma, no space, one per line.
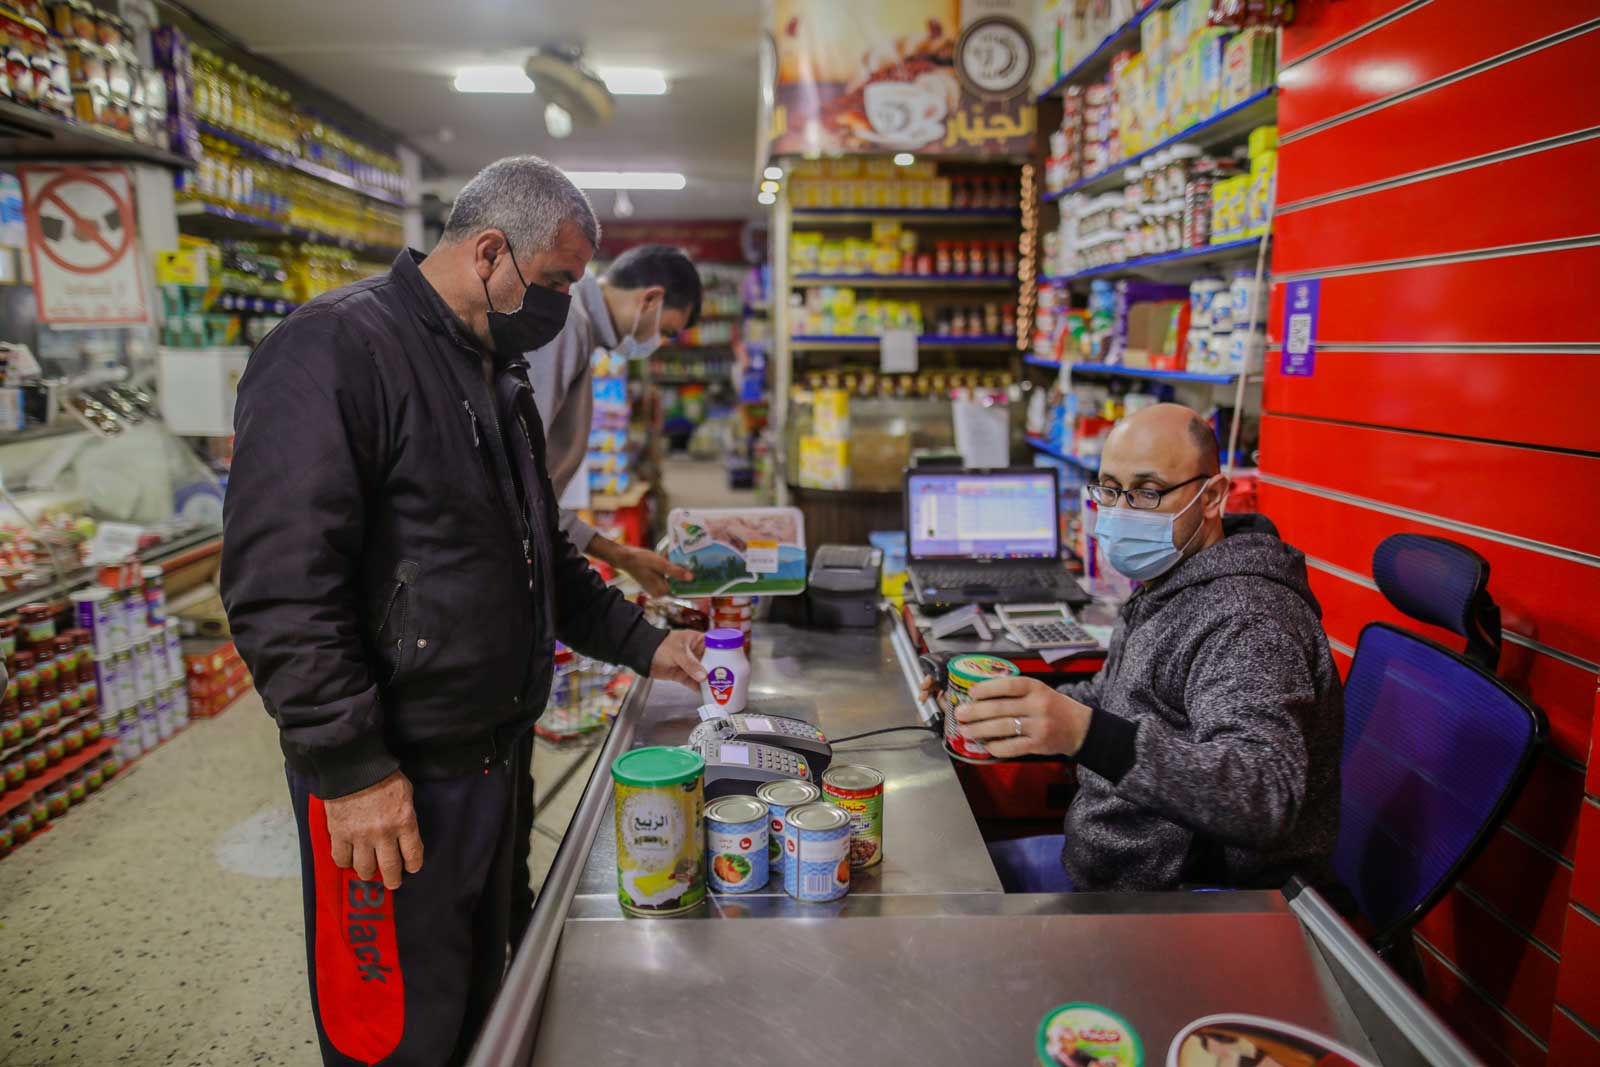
(393,592)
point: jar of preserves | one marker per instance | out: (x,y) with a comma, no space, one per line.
(38,622)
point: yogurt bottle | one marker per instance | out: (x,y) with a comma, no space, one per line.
(727,671)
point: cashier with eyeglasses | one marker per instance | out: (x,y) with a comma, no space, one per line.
(1208,746)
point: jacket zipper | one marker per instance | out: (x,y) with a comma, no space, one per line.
(477,443)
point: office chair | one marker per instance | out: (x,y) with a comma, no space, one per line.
(1435,746)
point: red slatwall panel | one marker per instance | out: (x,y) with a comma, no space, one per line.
(1536,298)
(1569,1043)
(1478,1021)
(1543,597)
(1318,23)
(1503,963)
(1529,99)
(1579,988)
(1586,879)
(1547,808)
(1435,40)
(1459,480)
(1469,394)
(1559,689)
(1524,885)
(1543,196)
(1343,661)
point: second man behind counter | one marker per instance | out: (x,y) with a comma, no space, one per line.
(653,291)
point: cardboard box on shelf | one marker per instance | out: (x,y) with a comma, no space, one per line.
(830,414)
(824,464)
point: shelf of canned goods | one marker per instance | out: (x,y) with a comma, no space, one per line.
(913,948)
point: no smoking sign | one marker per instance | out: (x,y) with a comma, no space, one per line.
(83,243)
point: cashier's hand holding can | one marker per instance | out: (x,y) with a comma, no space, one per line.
(1020,717)
(677,659)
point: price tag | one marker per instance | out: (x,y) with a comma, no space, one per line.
(761,557)
(897,352)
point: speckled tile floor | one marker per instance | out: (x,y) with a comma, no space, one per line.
(160,923)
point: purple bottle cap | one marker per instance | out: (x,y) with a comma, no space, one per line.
(725,638)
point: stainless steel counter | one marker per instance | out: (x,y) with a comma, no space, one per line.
(846,683)
(926,961)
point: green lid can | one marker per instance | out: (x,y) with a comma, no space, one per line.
(971,670)
(1079,1032)
(658,765)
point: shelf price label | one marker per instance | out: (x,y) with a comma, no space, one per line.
(897,352)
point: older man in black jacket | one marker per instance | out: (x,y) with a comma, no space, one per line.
(396,579)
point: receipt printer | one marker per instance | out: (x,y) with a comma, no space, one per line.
(843,588)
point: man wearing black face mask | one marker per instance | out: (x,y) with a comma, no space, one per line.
(396,577)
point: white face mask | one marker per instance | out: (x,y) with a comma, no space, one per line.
(631,348)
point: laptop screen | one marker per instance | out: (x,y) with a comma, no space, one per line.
(982,514)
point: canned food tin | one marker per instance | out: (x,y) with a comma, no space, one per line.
(127,679)
(736,844)
(149,725)
(859,791)
(130,739)
(174,649)
(659,800)
(816,839)
(133,613)
(116,624)
(144,668)
(779,797)
(964,673)
(155,597)
(107,683)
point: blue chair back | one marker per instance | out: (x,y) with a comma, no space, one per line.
(1435,746)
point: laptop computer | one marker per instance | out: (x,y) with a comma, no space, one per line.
(986,537)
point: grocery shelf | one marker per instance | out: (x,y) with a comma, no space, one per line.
(304,166)
(928,216)
(907,281)
(259,305)
(1147,372)
(25,792)
(1098,61)
(866,342)
(1039,361)
(213,220)
(29,134)
(83,576)
(1223,250)
(1230,124)
(60,726)
(1039,444)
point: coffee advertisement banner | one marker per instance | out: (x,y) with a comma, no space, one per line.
(933,77)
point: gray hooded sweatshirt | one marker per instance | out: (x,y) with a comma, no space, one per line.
(1213,753)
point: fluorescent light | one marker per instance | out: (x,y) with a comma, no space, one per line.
(769,186)
(626,179)
(904,159)
(633,81)
(772,174)
(493,80)
(766,198)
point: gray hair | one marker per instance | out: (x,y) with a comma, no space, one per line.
(527,198)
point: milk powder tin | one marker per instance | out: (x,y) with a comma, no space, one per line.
(149,725)
(736,844)
(966,672)
(859,791)
(779,797)
(816,839)
(659,803)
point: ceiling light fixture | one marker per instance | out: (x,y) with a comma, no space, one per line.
(904,159)
(495,79)
(772,174)
(766,198)
(769,186)
(557,121)
(626,179)
(633,81)
(622,207)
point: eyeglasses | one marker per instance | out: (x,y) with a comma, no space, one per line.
(1142,499)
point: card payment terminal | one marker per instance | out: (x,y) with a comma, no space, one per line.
(742,751)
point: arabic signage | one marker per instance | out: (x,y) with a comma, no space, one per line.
(84,246)
(706,240)
(935,77)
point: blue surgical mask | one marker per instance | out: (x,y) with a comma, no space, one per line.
(1139,544)
(631,348)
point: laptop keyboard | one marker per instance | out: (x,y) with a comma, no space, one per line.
(987,577)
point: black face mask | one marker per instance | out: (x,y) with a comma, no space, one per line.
(533,325)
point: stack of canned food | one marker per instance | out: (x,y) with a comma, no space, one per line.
(138,657)
(671,845)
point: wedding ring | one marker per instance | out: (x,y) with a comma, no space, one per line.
(1019,725)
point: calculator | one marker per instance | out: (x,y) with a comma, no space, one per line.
(1044,626)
